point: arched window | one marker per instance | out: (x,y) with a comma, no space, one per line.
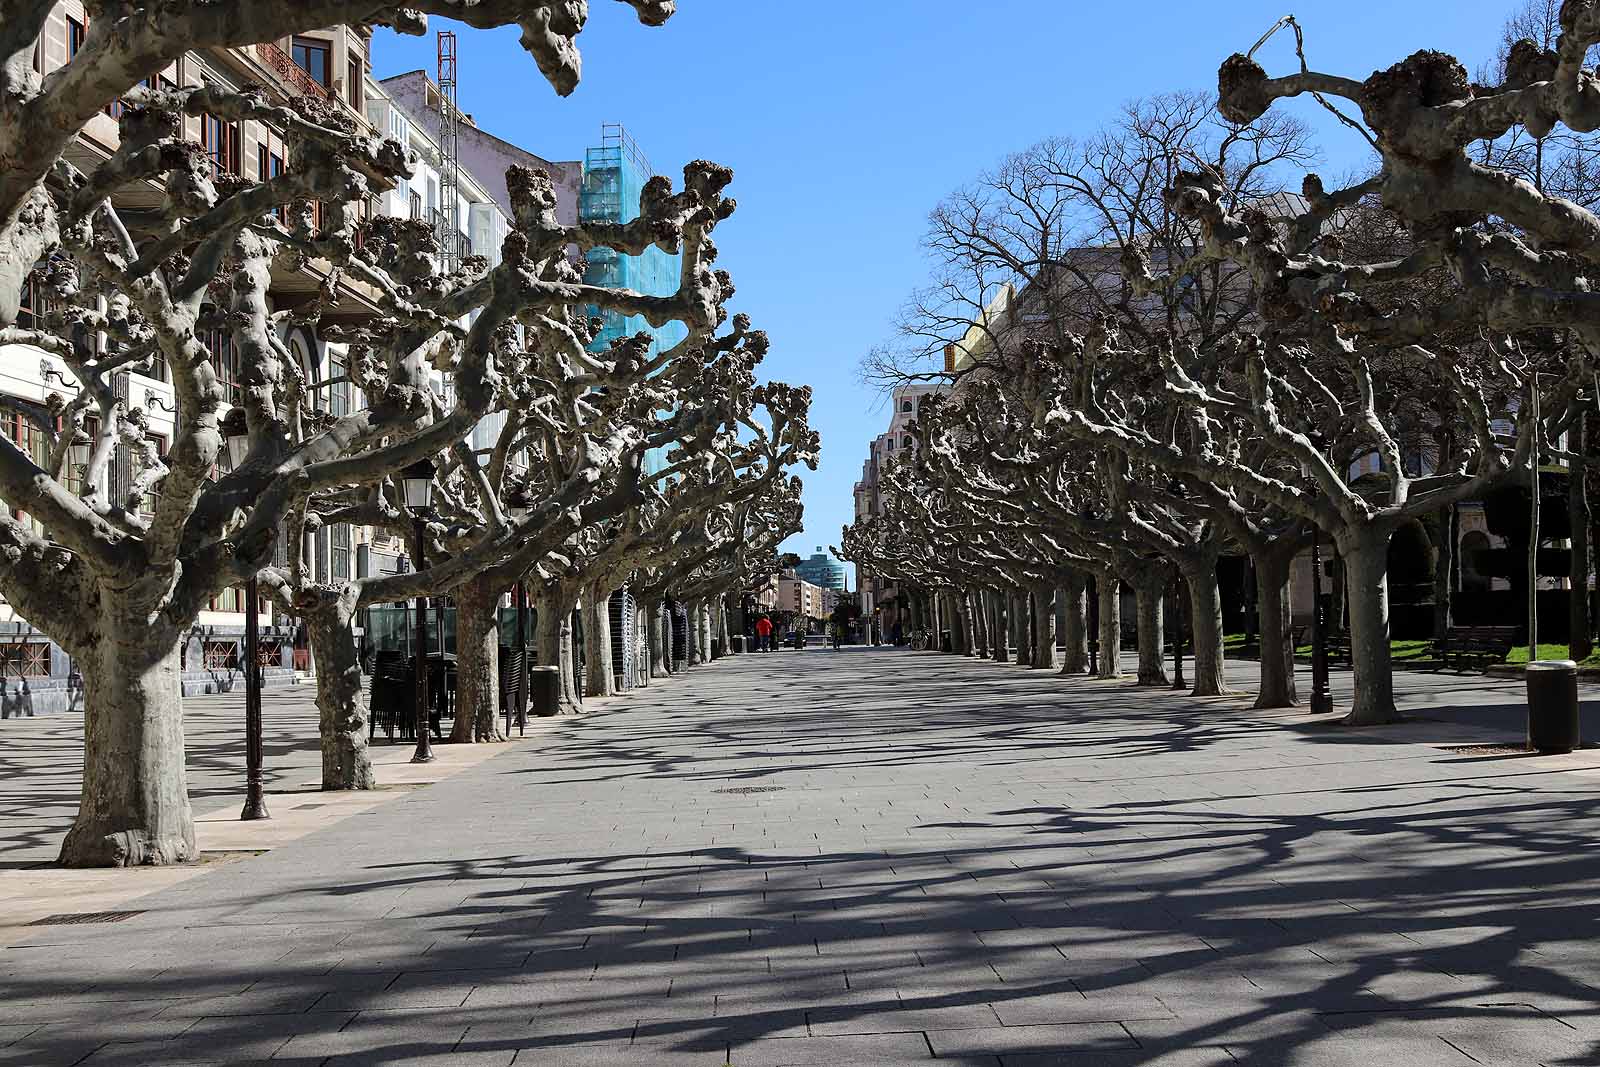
(905,442)
(905,405)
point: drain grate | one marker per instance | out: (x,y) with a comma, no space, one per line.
(1489,750)
(83,918)
(742,789)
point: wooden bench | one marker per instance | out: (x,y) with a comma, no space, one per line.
(1476,647)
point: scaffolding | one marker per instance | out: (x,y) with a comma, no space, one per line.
(614,175)
(447,223)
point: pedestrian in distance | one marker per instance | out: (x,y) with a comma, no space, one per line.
(764,634)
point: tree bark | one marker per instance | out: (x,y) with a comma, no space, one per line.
(1148,600)
(1365,557)
(134,803)
(477,662)
(553,631)
(1000,639)
(1109,593)
(1022,638)
(341,702)
(973,598)
(1277,638)
(1443,531)
(1205,628)
(597,671)
(1076,658)
(1044,628)
(961,635)
(1580,636)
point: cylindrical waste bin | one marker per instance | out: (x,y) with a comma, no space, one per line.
(737,640)
(716,648)
(544,689)
(946,642)
(1553,705)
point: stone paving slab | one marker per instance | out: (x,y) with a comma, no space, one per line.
(880,858)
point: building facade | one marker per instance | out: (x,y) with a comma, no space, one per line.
(822,569)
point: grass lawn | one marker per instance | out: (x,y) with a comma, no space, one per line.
(1421,651)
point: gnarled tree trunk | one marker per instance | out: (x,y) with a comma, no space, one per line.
(597,676)
(553,636)
(1108,590)
(1365,556)
(1277,639)
(477,662)
(134,803)
(1044,628)
(980,622)
(999,639)
(1148,600)
(1021,630)
(341,704)
(1205,628)
(654,630)
(1076,658)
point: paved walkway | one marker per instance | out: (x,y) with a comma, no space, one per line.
(864,858)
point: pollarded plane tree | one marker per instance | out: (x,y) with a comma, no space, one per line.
(731,549)
(729,442)
(588,411)
(118,581)
(1094,498)
(1520,259)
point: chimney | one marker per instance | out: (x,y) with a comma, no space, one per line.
(949,359)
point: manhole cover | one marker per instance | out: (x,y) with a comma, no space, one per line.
(81,918)
(750,789)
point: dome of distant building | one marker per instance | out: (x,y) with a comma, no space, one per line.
(822,569)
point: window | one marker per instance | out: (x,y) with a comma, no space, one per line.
(222,145)
(339,391)
(905,405)
(75,34)
(905,442)
(31,315)
(416,205)
(147,507)
(340,537)
(25,659)
(352,85)
(224,362)
(315,58)
(891,444)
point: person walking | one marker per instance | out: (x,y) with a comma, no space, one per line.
(764,634)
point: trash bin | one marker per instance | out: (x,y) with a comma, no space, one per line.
(946,642)
(716,648)
(544,690)
(1553,705)
(738,642)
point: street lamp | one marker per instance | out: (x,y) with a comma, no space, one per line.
(519,503)
(236,436)
(416,486)
(1091,586)
(1321,697)
(1179,602)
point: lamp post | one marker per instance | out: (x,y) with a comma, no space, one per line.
(417,486)
(1321,698)
(236,436)
(519,504)
(1179,602)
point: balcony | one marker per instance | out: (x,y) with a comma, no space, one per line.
(293,78)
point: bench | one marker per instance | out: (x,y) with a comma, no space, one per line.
(1475,647)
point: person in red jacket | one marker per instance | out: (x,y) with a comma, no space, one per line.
(763,634)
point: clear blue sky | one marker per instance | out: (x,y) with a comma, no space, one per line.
(845,126)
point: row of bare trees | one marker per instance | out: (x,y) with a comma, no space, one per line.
(1199,362)
(564,500)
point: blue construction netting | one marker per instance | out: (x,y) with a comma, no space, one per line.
(614,175)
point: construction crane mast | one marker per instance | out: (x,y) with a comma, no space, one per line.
(448,222)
